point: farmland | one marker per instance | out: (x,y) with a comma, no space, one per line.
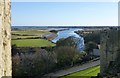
(32,43)
(31,32)
(30,38)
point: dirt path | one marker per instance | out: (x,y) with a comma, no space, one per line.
(74,69)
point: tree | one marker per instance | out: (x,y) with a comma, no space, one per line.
(14,50)
(66,56)
(90,46)
(36,64)
(94,37)
(66,42)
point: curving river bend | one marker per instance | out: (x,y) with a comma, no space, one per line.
(71,32)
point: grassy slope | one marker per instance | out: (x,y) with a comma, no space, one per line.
(32,43)
(93,71)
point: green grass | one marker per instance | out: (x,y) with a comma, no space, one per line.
(30,32)
(93,71)
(32,43)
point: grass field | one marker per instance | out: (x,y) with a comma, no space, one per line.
(93,71)
(31,32)
(32,43)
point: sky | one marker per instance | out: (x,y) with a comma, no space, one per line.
(64,13)
(64,0)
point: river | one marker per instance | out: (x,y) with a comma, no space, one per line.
(71,32)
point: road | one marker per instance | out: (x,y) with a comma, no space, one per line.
(74,69)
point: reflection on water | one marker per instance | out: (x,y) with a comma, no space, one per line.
(70,32)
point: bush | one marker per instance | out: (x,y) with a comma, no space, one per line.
(66,42)
(90,46)
(14,50)
(42,62)
(94,37)
(36,64)
(53,31)
(66,56)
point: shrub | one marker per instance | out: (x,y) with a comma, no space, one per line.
(94,37)
(66,56)
(36,64)
(66,42)
(90,46)
(42,62)
(14,50)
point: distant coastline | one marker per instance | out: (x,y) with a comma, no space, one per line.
(62,26)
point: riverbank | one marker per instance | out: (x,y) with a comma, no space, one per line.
(50,58)
(86,31)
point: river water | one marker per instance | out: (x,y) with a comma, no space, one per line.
(71,32)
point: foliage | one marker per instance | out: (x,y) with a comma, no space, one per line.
(66,56)
(90,46)
(35,64)
(53,31)
(66,42)
(41,62)
(94,37)
(14,49)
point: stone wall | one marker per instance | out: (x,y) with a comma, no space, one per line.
(5,39)
(110,50)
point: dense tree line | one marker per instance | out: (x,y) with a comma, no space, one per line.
(93,37)
(42,62)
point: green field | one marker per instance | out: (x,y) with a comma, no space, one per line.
(31,32)
(18,38)
(32,43)
(93,71)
